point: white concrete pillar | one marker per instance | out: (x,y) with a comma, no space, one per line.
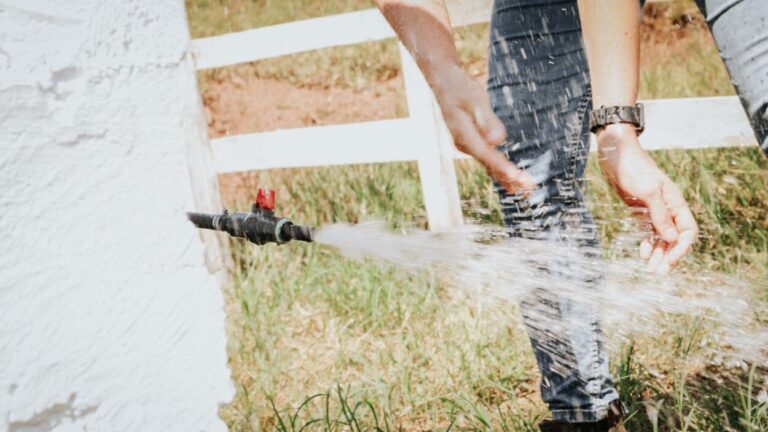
(109,317)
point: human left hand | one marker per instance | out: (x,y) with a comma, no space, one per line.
(650,194)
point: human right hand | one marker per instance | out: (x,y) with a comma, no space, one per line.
(475,128)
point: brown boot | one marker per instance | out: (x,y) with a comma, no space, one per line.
(612,423)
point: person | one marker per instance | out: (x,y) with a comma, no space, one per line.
(550,62)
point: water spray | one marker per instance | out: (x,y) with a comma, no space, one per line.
(260,226)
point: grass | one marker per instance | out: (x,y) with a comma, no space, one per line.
(319,342)
(356,66)
(306,320)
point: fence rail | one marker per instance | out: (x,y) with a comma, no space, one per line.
(313,34)
(423,136)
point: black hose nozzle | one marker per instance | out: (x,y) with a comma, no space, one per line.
(261,226)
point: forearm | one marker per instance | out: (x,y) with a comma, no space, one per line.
(424,28)
(611,30)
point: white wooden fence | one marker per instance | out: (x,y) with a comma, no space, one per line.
(422,136)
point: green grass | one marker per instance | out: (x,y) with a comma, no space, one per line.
(694,70)
(213,17)
(319,342)
(305,320)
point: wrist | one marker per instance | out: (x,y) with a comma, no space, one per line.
(616,130)
(614,135)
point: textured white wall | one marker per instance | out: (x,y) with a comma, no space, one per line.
(109,319)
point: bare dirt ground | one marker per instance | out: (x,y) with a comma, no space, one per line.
(236,105)
(241,105)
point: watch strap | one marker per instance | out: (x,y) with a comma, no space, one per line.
(604,116)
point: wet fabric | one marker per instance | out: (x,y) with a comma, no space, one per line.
(538,82)
(740,29)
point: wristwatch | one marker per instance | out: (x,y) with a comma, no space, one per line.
(603,116)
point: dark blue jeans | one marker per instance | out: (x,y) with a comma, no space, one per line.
(538,81)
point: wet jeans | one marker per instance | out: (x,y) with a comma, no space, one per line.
(740,29)
(538,82)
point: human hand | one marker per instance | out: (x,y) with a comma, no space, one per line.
(650,194)
(475,128)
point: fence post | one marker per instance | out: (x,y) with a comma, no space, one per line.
(435,153)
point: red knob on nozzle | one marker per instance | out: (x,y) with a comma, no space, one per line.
(265,199)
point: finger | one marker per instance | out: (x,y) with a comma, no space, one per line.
(489,124)
(679,250)
(499,167)
(510,177)
(646,248)
(661,218)
(678,208)
(663,268)
(684,221)
(464,132)
(646,228)
(656,257)
(642,215)
(688,235)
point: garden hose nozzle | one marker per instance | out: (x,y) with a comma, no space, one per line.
(260,226)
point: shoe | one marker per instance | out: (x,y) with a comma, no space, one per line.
(612,423)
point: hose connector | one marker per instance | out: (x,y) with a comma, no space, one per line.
(260,226)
